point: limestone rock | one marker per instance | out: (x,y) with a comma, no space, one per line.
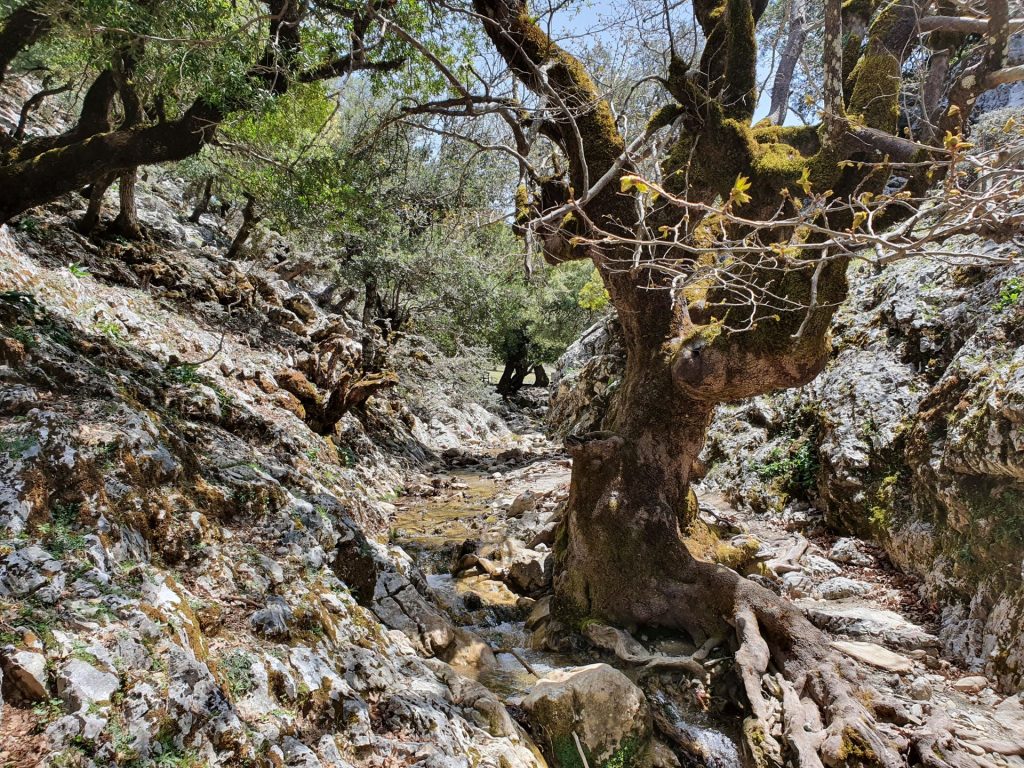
(24,676)
(839,587)
(971,684)
(920,689)
(530,571)
(32,570)
(797,584)
(875,655)
(272,622)
(523,503)
(80,684)
(851,552)
(598,704)
(469,651)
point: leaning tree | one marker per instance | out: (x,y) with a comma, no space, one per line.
(725,268)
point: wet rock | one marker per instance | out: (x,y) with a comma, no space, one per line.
(540,613)
(24,676)
(839,587)
(597,704)
(469,651)
(80,684)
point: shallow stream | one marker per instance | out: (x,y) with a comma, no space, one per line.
(431,528)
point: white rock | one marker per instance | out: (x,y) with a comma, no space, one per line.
(839,587)
(850,551)
(81,684)
(24,676)
(875,655)
(971,684)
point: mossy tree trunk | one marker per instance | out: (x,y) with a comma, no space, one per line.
(621,554)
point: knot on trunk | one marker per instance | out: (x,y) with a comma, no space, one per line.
(602,446)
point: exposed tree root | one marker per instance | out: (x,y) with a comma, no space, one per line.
(625,561)
(808,706)
(626,648)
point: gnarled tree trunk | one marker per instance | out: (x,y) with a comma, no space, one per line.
(97,191)
(621,552)
(250,218)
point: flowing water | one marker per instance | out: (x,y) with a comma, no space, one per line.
(432,528)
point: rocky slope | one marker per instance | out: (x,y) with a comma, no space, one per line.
(190,574)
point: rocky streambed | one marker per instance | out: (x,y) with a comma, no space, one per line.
(481,529)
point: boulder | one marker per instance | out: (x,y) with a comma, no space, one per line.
(539,613)
(971,684)
(469,651)
(523,503)
(530,571)
(851,552)
(80,684)
(24,676)
(596,704)
(839,587)
(920,689)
